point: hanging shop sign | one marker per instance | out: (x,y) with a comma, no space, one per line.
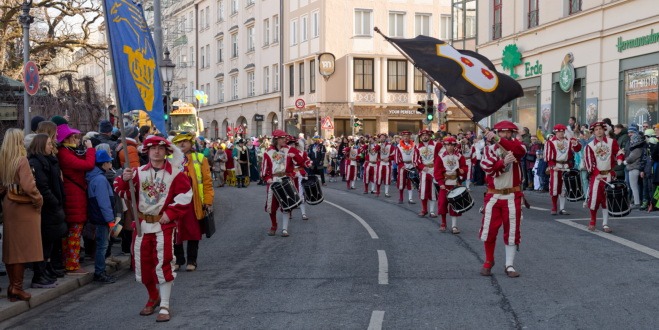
(566,75)
(327,64)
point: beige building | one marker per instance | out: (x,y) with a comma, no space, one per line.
(590,59)
(372,81)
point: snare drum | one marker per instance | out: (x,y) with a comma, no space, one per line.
(286,194)
(312,193)
(572,182)
(413,176)
(460,200)
(617,202)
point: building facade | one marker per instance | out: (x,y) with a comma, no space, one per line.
(591,59)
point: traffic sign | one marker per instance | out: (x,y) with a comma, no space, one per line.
(441,107)
(299,103)
(327,123)
(31,78)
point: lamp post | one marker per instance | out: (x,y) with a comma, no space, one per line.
(25,19)
(167,73)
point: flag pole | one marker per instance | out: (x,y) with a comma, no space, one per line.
(434,82)
(131,186)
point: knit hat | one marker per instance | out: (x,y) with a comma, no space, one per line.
(59,120)
(635,140)
(34,123)
(131,132)
(105,126)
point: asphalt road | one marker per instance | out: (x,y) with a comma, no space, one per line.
(335,273)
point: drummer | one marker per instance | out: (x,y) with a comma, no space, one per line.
(449,172)
(300,172)
(424,153)
(559,154)
(404,154)
(353,156)
(600,159)
(278,162)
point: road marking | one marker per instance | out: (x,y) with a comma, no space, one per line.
(614,218)
(362,221)
(376,320)
(383,274)
(633,245)
(538,208)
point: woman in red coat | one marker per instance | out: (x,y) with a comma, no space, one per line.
(74,164)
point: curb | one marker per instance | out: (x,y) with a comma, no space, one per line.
(65,285)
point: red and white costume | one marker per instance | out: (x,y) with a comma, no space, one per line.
(371,166)
(559,154)
(386,156)
(450,170)
(353,157)
(424,161)
(467,152)
(300,173)
(503,200)
(600,159)
(166,191)
(404,159)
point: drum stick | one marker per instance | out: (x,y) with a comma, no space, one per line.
(607,183)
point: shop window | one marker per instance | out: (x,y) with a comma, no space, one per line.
(397,75)
(641,95)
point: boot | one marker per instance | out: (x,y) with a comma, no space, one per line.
(15,290)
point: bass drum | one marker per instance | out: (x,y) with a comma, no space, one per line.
(413,176)
(313,194)
(286,194)
(573,189)
(460,200)
(617,202)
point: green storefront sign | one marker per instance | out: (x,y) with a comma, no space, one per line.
(512,57)
(649,39)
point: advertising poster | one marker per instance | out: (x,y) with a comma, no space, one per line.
(591,110)
(545,117)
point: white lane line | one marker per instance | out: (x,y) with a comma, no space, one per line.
(362,221)
(383,273)
(633,245)
(538,208)
(377,317)
(612,218)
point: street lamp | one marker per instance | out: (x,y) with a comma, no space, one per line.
(167,73)
(25,19)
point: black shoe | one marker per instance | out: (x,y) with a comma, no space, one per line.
(104,278)
(42,283)
(53,273)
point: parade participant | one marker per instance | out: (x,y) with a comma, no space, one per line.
(278,161)
(503,200)
(386,156)
(600,159)
(300,171)
(316,152)
(371,154)
(352,156)
(163,196)
(450,170)
(196,168)
(467,151)
(404,158)
(559,154)
(241,157)
(424,161)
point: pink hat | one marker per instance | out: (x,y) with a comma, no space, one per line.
(64,131)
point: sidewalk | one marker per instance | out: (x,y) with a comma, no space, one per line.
(65,285)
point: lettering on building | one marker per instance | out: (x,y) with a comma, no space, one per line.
(402,112)
(649,39)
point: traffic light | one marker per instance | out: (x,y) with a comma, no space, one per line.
(296,118)
(430,110)
(422,107)
(166,117)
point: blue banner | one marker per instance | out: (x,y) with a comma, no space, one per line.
(137,76)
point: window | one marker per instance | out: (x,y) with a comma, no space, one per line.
(291,80)
(190,21)
(640,96)
(275,28)
(220,51)
(250,39)
(220,10)
(303,29)
(266,80)
(220,91)
(420,82)
(208,17)
(202,22)
(208,88)
(445,27)
(574,6)
(234,6)
(315,25)
(266,32)
(184,24)
(249,3)
(208,56)
(422,24)
(496,27)
(363,74)
(203,56)
(234,45)
(250,83)
(312,76)
(396,24)
(301,73)
(533,14)
(234,87)
(363,22)
(275,78)
(192,57)
(191,89)
(397,75)
(293,32)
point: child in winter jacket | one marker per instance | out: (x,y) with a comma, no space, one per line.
(101,211)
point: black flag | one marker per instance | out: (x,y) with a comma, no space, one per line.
(467,76)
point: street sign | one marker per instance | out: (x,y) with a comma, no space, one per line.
(327,123)
(441,107)
(299,103)
(31,78)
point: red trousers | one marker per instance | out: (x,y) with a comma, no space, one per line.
(442,202)
(502,210)
(153,255)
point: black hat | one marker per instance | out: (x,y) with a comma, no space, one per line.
(34,124)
